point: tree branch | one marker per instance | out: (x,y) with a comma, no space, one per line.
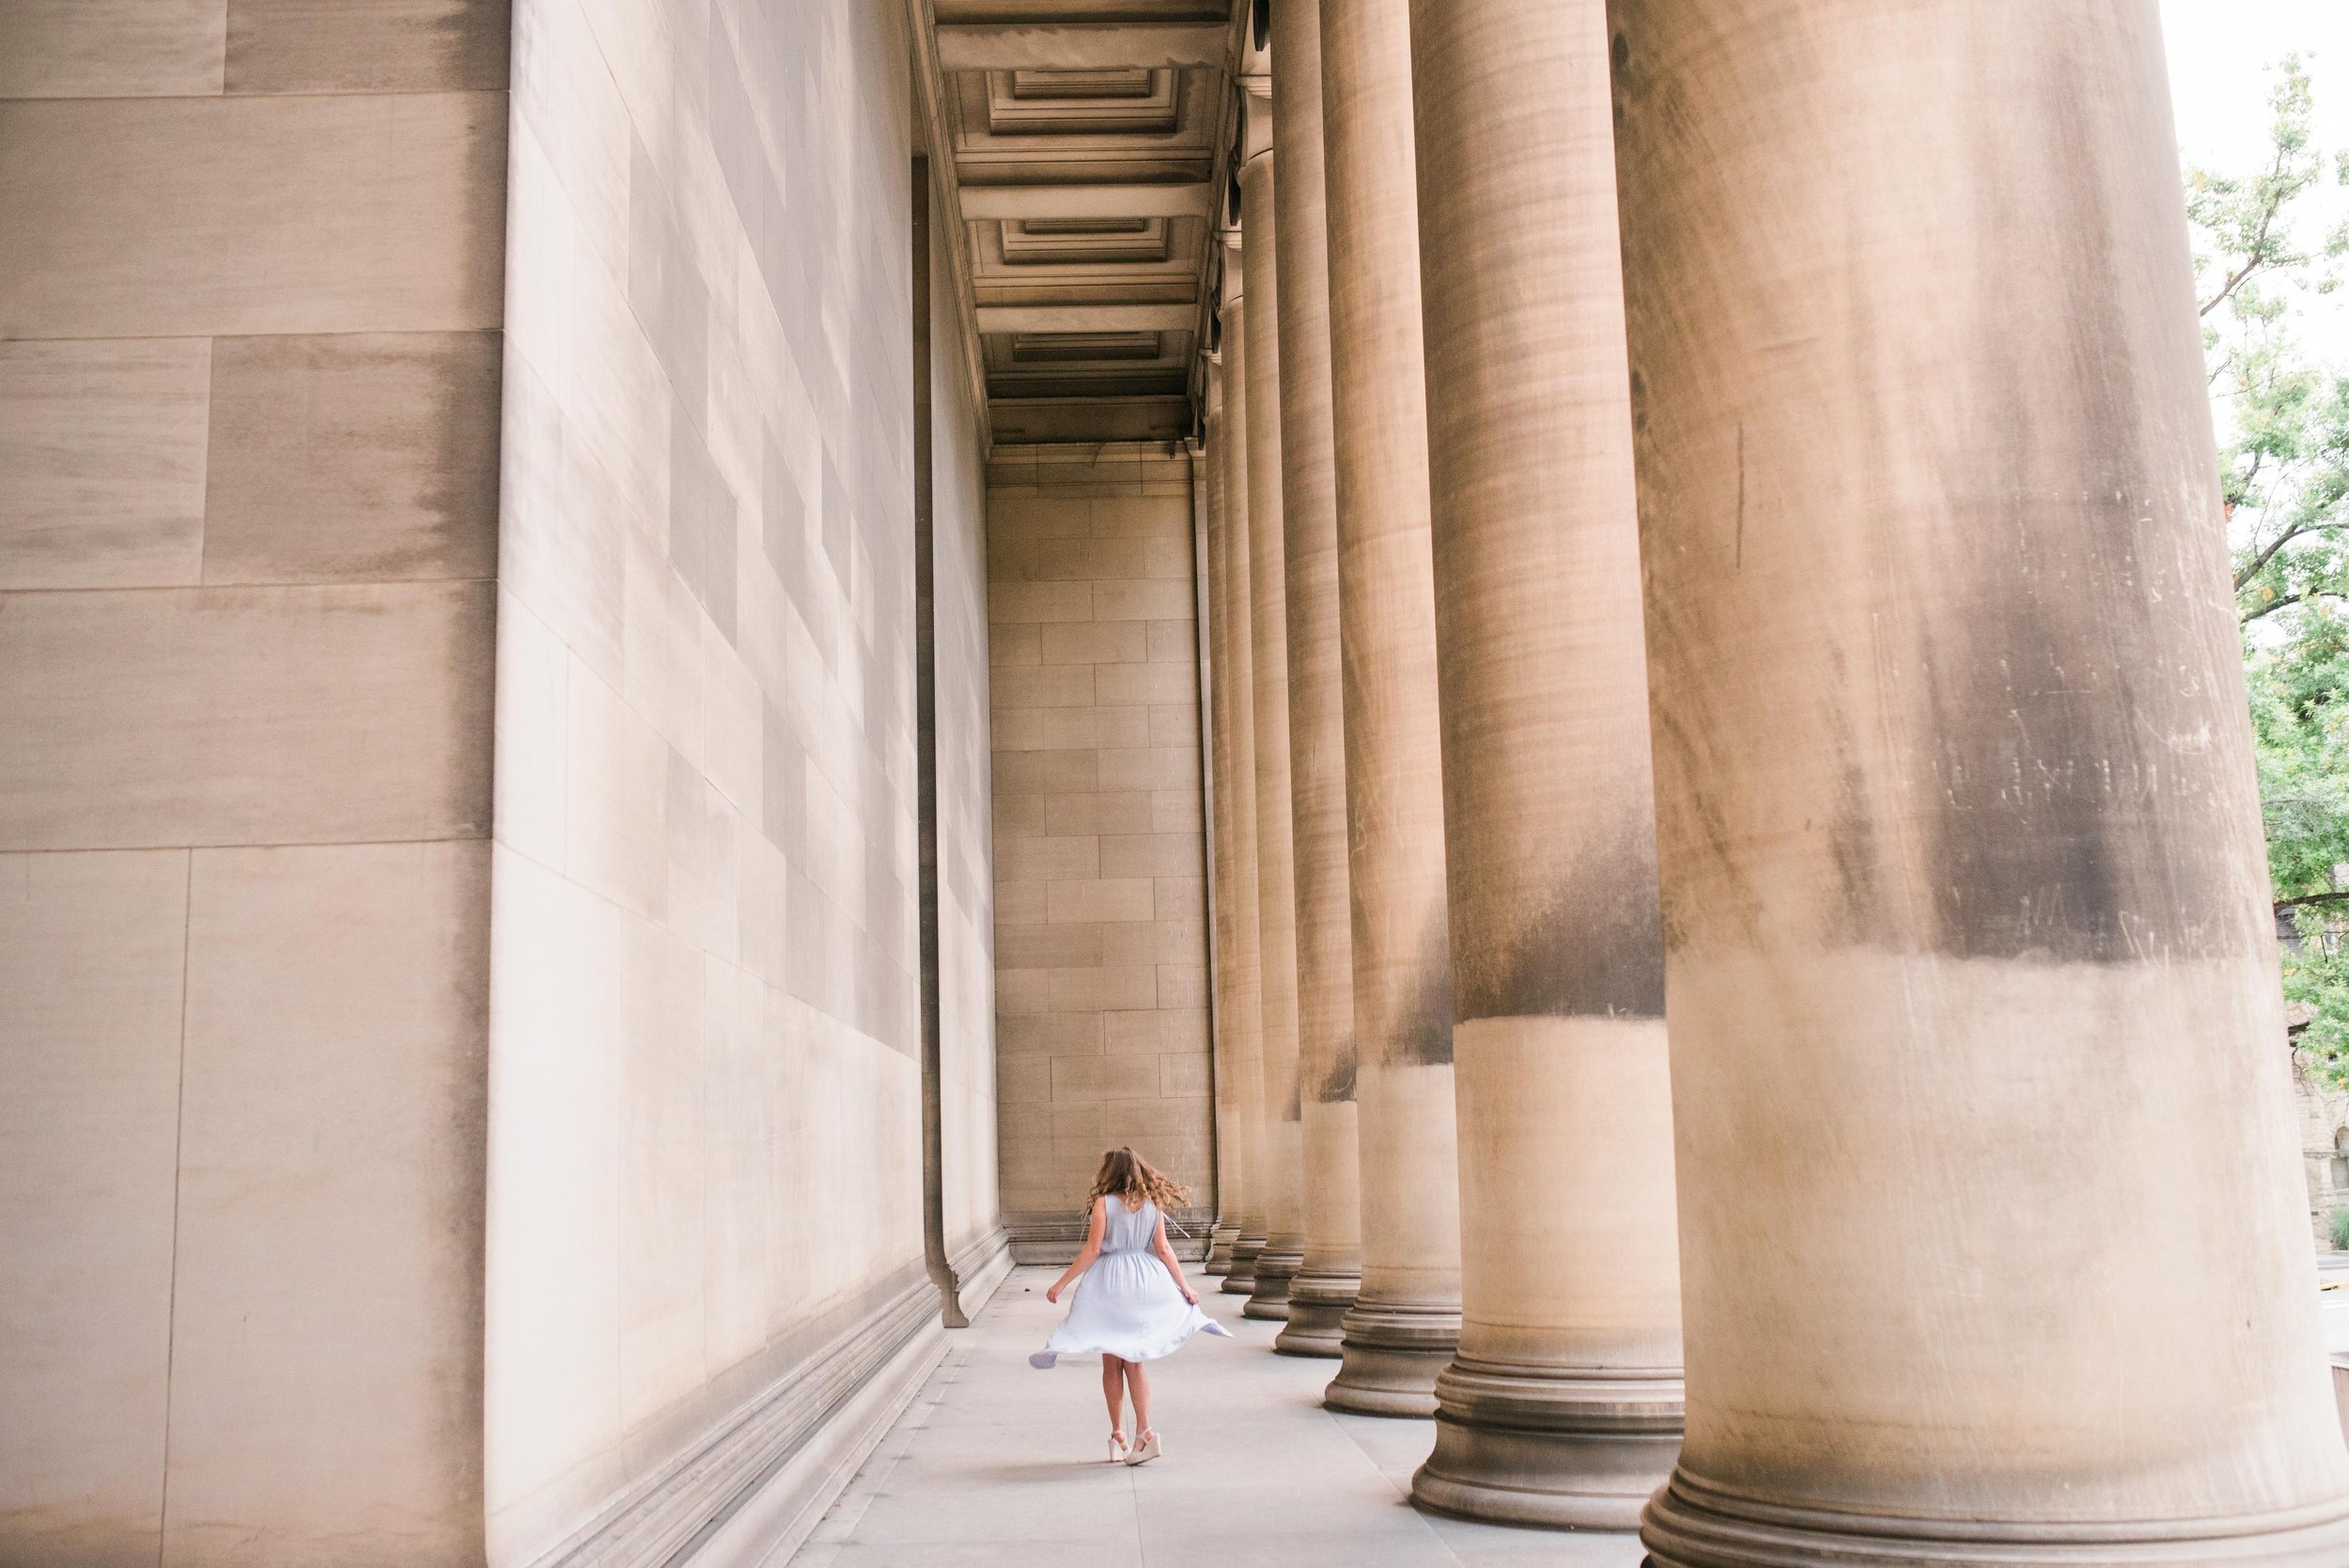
(2308,597)
(2234,281)
(2272,201)
(2269,553)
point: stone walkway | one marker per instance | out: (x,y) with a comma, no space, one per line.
(996,1463)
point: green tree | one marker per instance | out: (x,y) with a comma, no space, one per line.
(2283,423)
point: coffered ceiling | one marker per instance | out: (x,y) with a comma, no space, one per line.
(1090,150)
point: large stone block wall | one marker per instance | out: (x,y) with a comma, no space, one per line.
(1100,939)
(250,299)
(705,1132)
(2322,1111)
(371,1192)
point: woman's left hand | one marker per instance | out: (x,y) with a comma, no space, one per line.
(1189,1295)
(1052,1294)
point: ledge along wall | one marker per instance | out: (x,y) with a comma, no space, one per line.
(1100,924)
(706,1177)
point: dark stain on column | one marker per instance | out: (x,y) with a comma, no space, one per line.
(1852,841)
(1337,1084)
(1422,1028)
(2057,774)
(1592,947)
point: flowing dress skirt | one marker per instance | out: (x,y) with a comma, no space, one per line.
(1125,1305)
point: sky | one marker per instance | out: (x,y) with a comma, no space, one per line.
(2222,54)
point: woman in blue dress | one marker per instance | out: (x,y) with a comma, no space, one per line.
(1133,1303)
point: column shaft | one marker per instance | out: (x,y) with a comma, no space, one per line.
(1283,1169)
(1562,1406)
(1404,1322)
(1234,997)
(1238,646)
(1326,1281)
(1995,1244)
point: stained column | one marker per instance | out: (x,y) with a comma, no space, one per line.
(1404,1322)
(1230,1151)
(1995,1244)
(1326,1281)
(1562,1404)
(1283,1167)
(1236,850)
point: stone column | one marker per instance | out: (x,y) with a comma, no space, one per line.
(1326,1281)
(1283,1169)
(1994,1239)
(1405,1321)
(1562,1406)
(1233,994)
(1238,642)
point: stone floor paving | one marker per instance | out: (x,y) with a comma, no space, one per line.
(996,1463)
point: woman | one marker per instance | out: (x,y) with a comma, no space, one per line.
(1134,1305)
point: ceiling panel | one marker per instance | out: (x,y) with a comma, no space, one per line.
(1090,143)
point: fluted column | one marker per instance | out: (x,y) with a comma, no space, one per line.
(1235,948)
(1326,1281)
(1405,1323)
(1995,1242)
(1283,1167)
(1238,646)
(1562,1404)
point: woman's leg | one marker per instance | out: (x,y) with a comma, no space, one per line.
(1139,1381)
(1113,1390)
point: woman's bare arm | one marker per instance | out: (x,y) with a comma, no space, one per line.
(1086,1255)
(1166,1256)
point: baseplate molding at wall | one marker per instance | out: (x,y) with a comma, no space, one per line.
(750,1495)
(1053,1238)
(758,1485)
(981,1265)
(776,1512)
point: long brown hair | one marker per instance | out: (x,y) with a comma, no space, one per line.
(1129,1178)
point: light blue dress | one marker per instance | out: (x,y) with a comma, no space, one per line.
(1127,1304)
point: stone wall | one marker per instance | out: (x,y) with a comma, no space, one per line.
(2321,1116)
(364,1180)
(705,1205)
(1100,938)
(250,294)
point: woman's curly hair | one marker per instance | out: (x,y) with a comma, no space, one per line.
(1131,1179)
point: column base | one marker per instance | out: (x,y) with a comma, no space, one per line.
(1691,1524)
(1241,1279)
(1548,1445)
(1390,1357)
(1274,1270)
(1317,1304)
(1220,1248)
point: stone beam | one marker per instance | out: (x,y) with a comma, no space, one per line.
(1080,46)
(1087,201)
(1087,318)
